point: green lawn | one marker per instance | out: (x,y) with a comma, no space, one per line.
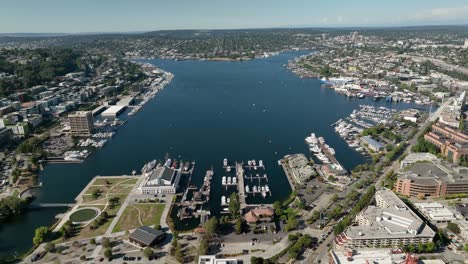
(150,215)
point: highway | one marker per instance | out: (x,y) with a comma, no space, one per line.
(438,62)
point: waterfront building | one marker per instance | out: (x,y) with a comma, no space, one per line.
(212,259)
(162,180)
(432,178)
(371,143)
(435,212)
(452,142)
(390,223)
(5,136)
(114,111)
(299,167)
(257,214)
(146,236)
(81,123)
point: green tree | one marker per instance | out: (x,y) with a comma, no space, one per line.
(179,254)
(108,253)
(92,241)
(148,253)
(211,226)
(453,227)
(41,235)
(203,247)
(277,206)
(234,205)
(239,225)
(105,242)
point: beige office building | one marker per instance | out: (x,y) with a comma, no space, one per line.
(81,123)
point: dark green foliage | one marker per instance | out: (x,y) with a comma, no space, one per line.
(40,66)
(11,206)
(454,228)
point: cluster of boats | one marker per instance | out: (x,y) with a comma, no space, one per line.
(103,135)
(229,180)
(75,155)
(349,133)
(253,163)
(89,142)
(367,116)
(317,145)
(374,114)
(258,189)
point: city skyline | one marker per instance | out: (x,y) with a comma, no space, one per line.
(123,16)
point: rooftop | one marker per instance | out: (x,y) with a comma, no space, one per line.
(382,256)
(391,218)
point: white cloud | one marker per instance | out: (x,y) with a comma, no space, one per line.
(441,14)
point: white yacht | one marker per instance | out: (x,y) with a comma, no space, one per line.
(223,200)
(224,180)
(234,180)
(229,180)
(267,188)
(225,162)
(249,163)
(260,163)
(247,189)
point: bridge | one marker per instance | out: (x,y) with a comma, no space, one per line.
(51,205)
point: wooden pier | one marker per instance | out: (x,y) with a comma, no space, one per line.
(259,178)
(240,185)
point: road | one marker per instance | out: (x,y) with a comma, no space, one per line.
(439,63)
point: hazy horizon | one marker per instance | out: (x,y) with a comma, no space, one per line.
(120,16)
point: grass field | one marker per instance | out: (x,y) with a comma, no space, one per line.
(149,214)
(113,181)
(83,215)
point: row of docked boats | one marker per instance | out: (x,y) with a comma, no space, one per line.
(317,145)
(349,133)
(229,180)
(264,190)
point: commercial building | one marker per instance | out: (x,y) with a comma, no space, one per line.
(146,236)
(371,143)
(211,259)
(114,111)
(435,212)
(412,158)
(162,180)
(390,223)
(366,256)
(432,178)
(81,123)
(5,136)
(452,142)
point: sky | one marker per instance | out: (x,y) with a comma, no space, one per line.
(79,16)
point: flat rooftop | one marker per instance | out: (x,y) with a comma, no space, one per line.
(113,110)
(382,256)
(427,172)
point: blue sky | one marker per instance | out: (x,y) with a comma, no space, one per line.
(74,16)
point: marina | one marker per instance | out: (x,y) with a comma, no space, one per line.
(322,151)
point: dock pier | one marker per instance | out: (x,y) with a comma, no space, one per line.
(240,185)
